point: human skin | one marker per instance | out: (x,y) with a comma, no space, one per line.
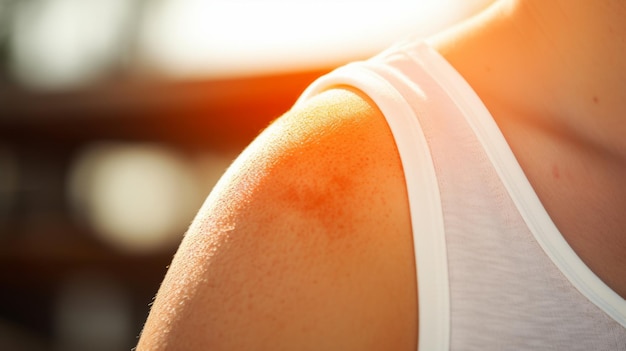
(304,244)
(306,241)
(553,76)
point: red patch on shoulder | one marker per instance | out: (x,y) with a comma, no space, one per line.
(322,202)
(555,172)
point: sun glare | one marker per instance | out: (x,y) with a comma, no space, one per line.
(227,37)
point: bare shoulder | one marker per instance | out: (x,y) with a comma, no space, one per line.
(304,244)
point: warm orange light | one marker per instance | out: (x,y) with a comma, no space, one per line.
(226,38)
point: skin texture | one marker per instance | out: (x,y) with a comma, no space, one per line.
(306,241)
(304,244)
(564,116)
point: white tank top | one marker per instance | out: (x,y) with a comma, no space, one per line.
(494,273)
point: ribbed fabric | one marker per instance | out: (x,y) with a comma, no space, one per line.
(494,273)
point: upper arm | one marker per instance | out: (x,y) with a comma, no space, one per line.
(305,243)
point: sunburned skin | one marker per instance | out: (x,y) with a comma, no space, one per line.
(323,198)
(305,243)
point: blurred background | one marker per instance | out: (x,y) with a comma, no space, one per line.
(117,117)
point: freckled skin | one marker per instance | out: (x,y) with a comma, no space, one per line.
(305,244)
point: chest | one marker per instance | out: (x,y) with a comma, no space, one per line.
(583,191)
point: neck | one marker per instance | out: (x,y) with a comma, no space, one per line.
(553,75)
(561,61)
